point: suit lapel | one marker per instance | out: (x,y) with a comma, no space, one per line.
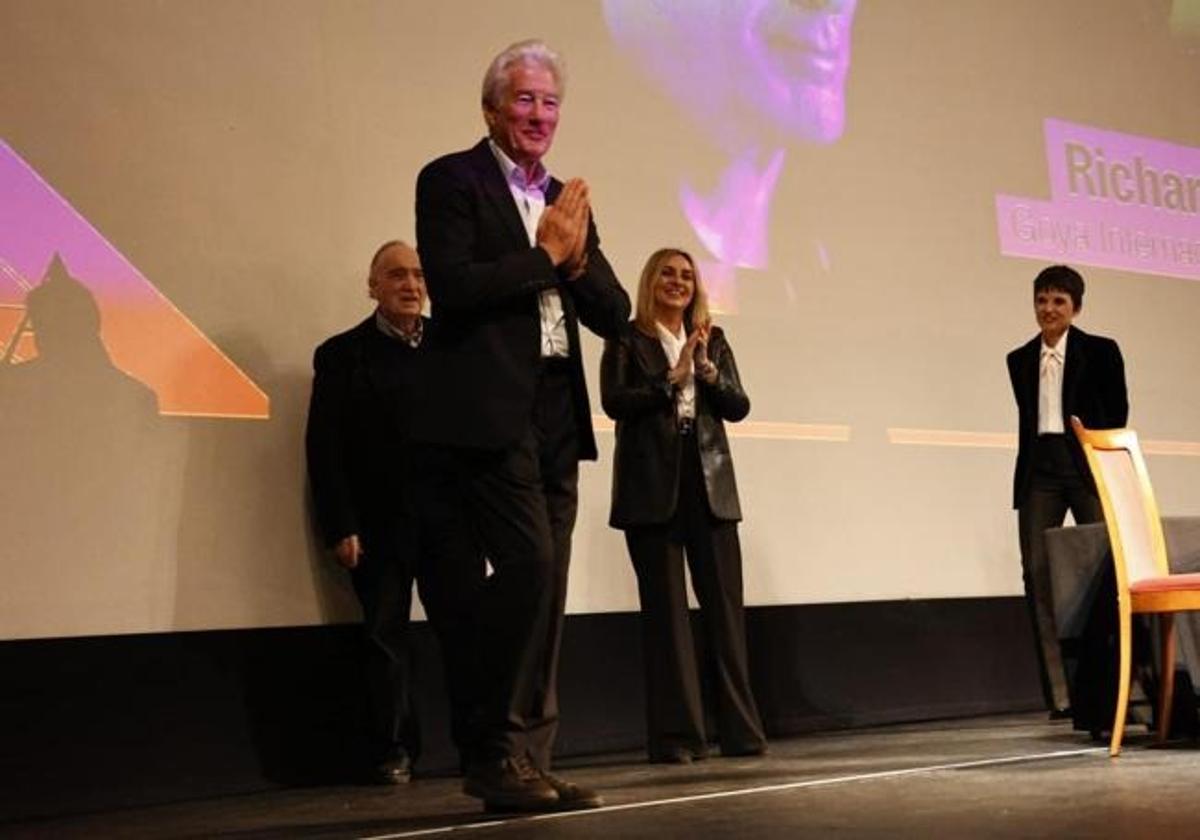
(1031,373)
(498,193)
(1073,369)
(650,354)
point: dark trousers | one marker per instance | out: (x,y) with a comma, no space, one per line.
(1056,487)
(674,711)
(407,550)
(557,437)
(383,583)
(520,504)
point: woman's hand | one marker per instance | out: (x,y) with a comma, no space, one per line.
(694,356)
(705,369)
(683,368)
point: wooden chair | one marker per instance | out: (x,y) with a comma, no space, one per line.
(1144,580)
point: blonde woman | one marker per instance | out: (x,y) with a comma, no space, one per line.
(670,383)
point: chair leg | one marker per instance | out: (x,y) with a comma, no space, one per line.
(1165,694)
(1118,729)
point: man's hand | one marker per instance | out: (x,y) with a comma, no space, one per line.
(576,264)
(347,552)
(562,230)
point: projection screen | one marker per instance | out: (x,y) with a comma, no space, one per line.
(196,189)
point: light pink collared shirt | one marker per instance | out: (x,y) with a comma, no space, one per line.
(530,198)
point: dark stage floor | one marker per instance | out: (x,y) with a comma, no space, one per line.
(1011,776)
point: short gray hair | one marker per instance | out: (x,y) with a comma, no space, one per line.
(383,249)
(533,51)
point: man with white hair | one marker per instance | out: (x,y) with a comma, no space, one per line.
(513,265)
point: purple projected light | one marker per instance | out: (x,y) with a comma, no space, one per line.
(755,76)
(1117,201)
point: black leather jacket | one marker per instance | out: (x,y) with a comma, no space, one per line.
(634,392)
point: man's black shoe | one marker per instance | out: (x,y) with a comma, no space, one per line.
(572,797)
(394,771)
(510,784)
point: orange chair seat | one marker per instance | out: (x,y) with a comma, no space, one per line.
(1170,583)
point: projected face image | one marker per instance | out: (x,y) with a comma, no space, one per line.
(756,77)
(523,123)
(397,283)
(797,54)
(787,60)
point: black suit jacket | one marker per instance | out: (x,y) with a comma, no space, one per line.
(358,432)
(1093,390)
(635,392)
(484,280)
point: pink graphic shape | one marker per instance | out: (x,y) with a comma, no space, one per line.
(1117,201)
(146,336)
(732,222)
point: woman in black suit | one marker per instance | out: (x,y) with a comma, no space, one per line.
(670,381)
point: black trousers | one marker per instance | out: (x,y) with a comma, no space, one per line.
(383,582)
(557,436)
(674,710)
(520,504)
(410,549)
(1057,487)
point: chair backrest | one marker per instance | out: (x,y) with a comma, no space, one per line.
(1130,511)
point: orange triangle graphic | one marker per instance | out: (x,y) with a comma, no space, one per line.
(146,336)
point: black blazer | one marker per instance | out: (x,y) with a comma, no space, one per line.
(1093,390)
(484,280)
(358,428)
(635,392)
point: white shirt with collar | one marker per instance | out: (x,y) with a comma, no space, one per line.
(1050,383)
(685,394)
(530,198)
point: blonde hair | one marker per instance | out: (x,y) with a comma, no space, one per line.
(696,312)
